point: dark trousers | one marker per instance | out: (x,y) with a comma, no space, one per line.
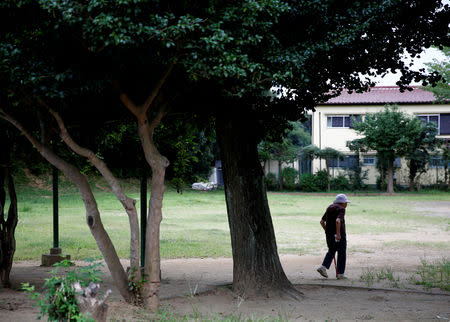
(341,249)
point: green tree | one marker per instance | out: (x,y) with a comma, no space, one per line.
(418,155)
(391,133)
(442,89)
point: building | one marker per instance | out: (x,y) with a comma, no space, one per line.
(332,127)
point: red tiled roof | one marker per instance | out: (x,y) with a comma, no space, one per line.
(384,95)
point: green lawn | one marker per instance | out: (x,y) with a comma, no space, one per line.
(195,223)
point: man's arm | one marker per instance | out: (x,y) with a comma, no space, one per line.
(338,229)
(323,224)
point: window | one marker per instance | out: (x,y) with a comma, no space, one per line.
(338,121)
(348,162)
(342,121)
(430,118)
(369,160)
(444,124)
(437,162)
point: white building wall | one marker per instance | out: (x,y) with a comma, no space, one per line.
(271,166)
(337,138)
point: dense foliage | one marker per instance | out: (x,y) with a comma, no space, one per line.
(442,89)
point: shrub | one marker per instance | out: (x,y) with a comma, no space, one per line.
(307,182)
(321,180)
(340,183)
(59,298)
(271,181)
(357,177)
(289,177)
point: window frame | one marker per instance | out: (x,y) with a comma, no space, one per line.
(336,163)
(374,158)
(343,121)
(428,120)
(436,165)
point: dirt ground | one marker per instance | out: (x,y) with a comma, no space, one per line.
(201,287)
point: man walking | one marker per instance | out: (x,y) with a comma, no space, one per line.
(333,222)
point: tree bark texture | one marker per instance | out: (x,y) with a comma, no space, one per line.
(7,224)
(256,264)
(93,219)
(390,177)
(158,164)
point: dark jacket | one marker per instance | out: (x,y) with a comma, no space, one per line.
(333,212)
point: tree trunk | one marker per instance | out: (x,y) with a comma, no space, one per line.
(280,177)
(158,163)
(8,225)
(411,185)
(390,177)
(412,174)
(256,264)
(328,175)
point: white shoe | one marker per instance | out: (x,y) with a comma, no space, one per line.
(341,277)
(322,271)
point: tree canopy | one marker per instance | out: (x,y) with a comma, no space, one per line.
(309,50)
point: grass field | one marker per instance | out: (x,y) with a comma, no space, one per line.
(195,223)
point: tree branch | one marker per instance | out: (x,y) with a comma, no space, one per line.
(129,104)
(157,88)
(160,113)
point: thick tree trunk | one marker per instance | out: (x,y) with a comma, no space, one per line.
(8,224)
(390,177)
(256,264)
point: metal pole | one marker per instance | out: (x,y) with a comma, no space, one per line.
(55,209)
(143,213)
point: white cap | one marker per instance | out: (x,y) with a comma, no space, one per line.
(341,198)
